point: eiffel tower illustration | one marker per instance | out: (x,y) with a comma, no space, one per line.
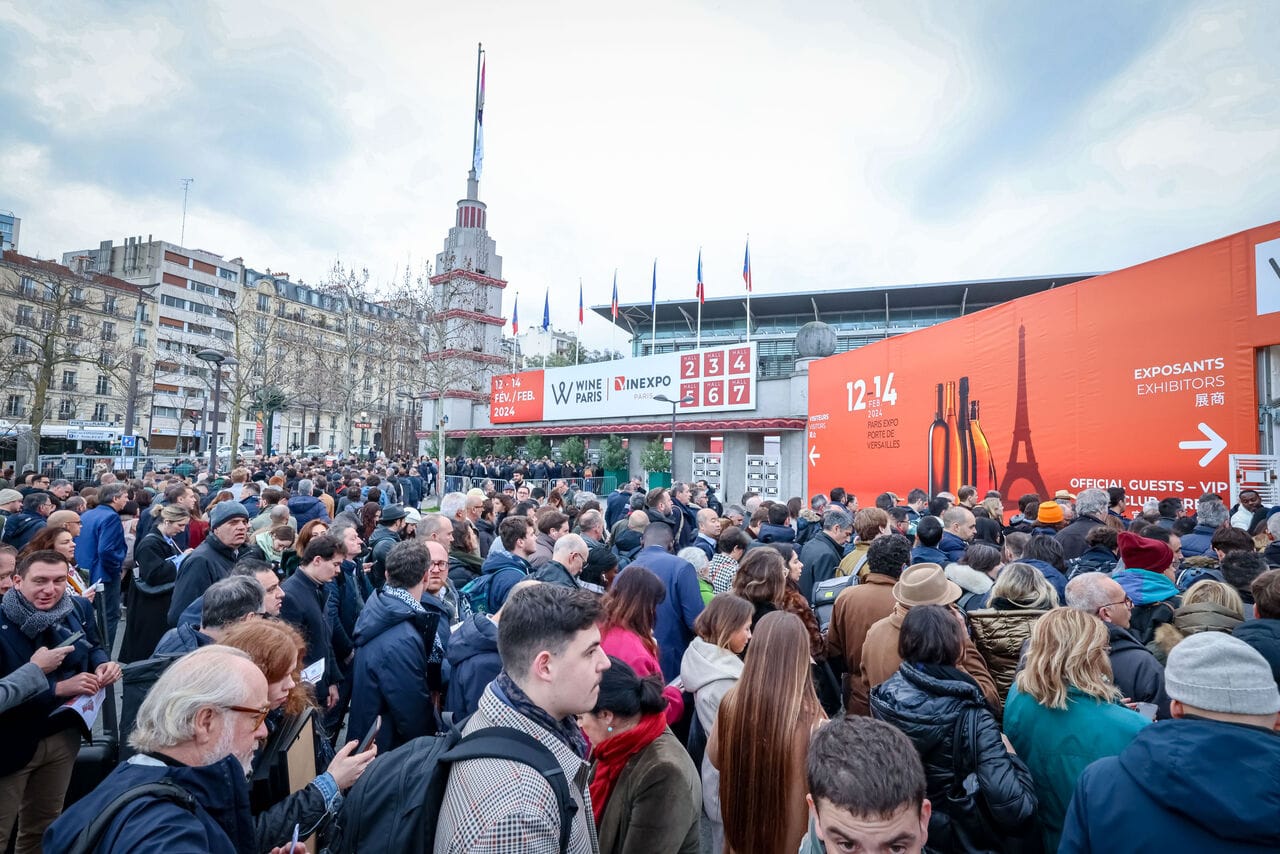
(1019,470)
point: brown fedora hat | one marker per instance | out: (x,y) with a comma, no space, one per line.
(925,584)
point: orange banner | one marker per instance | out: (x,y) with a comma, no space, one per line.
(1142,378)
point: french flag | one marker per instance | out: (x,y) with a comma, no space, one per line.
(746,267)
(515,317)
(702,293)
(615,295)
(579,302)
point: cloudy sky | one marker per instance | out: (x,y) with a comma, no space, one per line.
(857,143)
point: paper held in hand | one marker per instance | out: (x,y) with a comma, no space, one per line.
(86,706)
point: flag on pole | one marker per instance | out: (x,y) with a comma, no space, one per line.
(615,296)
(515,317)
(746,266)
(477,157)
(653,309)
(579,302)
(702,294)
(546,311)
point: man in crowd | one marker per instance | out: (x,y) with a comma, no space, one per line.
(708,532)
(1211,514)
(39,747)
(197,729)
(390,525)
(304,506)
(567,560)
(846,814)
(673,628)
(393,673)
(551,665)
(860,607)
(552,525)
(1135,670)
(10,503)
(1249,513)
(101,549)
(251,567)
(505,569)
(821,555)
(602,564)
(304,608)
(212,560)
(1263,632)
(929,534)
(1204,781)
(21,527)
(226,603)
(687,519)
(917,504)
(1091,512)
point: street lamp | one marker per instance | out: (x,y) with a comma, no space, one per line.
(675,404)
(364,428)
(216,360)
(440,425)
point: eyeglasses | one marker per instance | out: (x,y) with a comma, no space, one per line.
(436,564)
(259,715)
(1126,601)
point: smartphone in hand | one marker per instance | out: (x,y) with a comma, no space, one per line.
(370,735)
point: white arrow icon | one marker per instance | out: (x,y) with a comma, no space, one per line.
(1213,444)
(814,456)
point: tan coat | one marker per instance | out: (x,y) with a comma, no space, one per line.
(880,658)
(857,609)
(656,803)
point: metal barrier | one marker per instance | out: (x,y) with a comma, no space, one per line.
(88,466)
(600,486)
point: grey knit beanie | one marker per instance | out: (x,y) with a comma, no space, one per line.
(225,512)
(1219,673)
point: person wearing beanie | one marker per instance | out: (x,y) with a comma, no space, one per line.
(1050,518)
(1205,780)
(212,559)
(1147,579)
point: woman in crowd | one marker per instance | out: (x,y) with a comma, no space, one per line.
(486,528)
(198,527)
(370,512)
(990,526)
(151,590)
(1207,606)
(975,574)
(464,555)
(1064,710)
(277,649)
(762,580)
(711,666)
(697,558)
(731,545)
(761,738)
(59,539)
(942,710)
(1020,597)
(793,601)
(644,789)
(626,629)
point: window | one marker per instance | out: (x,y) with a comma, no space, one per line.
(68,380)
(200,288)
(164,411)
(229,275)
(73,324)
(109,304)
(46,319)
(108,331)
(27,287)
(333,422)
(50,292)
(26,315)
(21,347)
(264,302)
(77,295)
(260,325)
(13,407)
(105,360)
(139,338)
(100,412)
(102,386)
(66,409)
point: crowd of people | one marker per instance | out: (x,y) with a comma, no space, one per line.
(675,674)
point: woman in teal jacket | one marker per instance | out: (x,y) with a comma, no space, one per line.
(1064,710)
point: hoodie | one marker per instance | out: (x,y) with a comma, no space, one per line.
(1263,634)
(473,655)
(1181,785)
(304,508)
(709,671)
(776,533)
(1145,587)
(21,528)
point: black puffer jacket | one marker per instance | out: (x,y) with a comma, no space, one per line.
(927,709)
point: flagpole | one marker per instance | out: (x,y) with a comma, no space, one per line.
(577,344)
(653,310)
(748,288)
(697,344)
(613,335)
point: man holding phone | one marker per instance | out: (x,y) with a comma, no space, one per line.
(38,754)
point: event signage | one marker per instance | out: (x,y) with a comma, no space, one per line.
(717,379)
(1142,379)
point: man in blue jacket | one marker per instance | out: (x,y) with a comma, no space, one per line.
(39,747)
(505,569)
(101,548)
(959,527)
(221,720)
(673,628)
(396,641)
(304,506)
(1205,780)
(20,528)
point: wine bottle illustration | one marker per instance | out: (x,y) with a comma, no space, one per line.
(938,449)
(955,447)
(984,464)
(967,473)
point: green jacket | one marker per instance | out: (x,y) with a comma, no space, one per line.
(656,804)
(1057,745)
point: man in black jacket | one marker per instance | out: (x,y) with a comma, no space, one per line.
(1091,509)
(212,560)
(1136,671)
(304,608)
(822,554)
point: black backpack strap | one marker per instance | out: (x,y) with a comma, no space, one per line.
(518,746)
(91,837)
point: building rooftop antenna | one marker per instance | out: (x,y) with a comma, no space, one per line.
(186,188)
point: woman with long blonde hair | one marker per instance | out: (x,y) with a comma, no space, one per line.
(1064,710)
(761,737)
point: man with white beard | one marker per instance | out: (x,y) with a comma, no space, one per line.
(187,787)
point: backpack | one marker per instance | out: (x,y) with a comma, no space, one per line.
(163,789)
(1195,574)
(395,805)
(476,591)
(824,596)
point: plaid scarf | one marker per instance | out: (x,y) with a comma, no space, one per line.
(31,620)
(566,730)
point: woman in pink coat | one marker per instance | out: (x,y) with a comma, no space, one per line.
(626,631)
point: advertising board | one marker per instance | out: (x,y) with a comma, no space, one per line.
(718,379)
(1143,378)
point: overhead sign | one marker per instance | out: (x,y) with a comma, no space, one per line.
(1141,379)
(715,379)
(91,435)
(104,425)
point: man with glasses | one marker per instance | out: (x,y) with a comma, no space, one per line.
(1135,670)
(304,608)
(197,730)
(567,559)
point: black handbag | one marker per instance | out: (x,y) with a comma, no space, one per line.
(971,825)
